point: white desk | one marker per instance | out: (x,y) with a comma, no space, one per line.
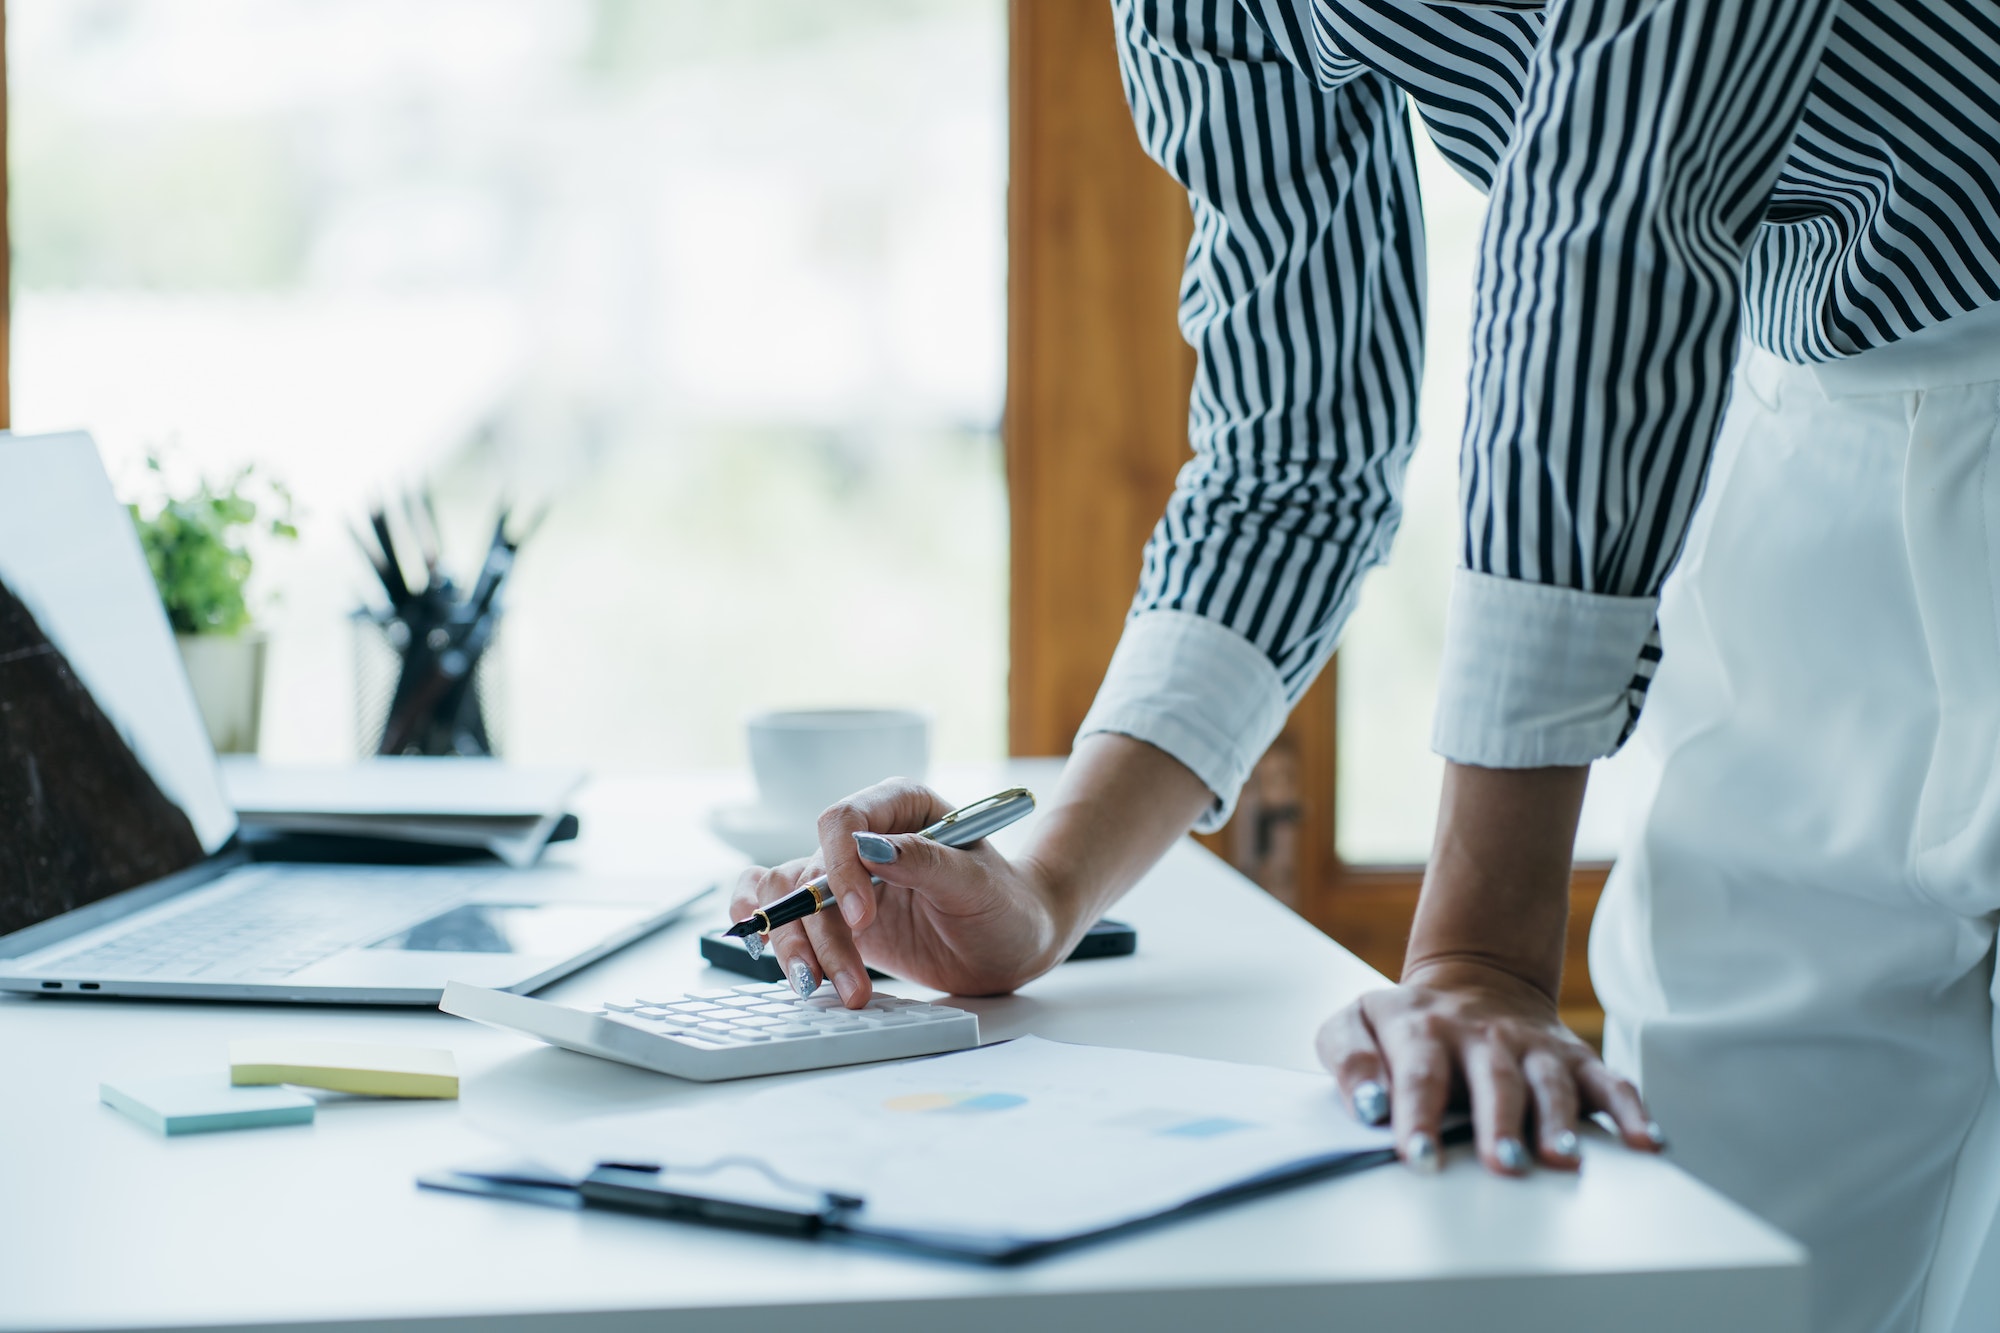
(103,1225)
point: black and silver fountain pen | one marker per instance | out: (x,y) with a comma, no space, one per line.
(961,828)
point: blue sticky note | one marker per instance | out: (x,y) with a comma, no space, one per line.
(200,1103)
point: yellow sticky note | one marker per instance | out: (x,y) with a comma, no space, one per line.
(345,1066)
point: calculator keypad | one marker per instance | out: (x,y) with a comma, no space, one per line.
(753,1015)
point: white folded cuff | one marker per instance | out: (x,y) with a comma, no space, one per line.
(1536,676)
(1199,691)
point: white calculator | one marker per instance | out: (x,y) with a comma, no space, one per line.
(720,1034)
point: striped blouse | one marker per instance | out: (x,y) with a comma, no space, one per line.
(1665,178)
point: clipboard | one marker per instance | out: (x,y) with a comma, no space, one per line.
(831,1216)
(999,1155)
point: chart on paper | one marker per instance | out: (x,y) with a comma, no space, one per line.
(1029,1138)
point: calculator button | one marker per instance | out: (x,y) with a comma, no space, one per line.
(720,1034)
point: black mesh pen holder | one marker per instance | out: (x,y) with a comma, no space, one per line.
(440,698)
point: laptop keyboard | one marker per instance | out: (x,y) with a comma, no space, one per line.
(268,931)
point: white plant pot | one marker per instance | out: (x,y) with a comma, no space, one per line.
(227,672)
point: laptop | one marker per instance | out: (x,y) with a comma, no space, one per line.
(121,872)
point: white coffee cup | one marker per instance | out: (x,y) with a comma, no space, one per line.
(806,759)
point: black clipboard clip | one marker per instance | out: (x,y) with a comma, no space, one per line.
(719,1194)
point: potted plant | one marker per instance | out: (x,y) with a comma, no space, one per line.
(197,545)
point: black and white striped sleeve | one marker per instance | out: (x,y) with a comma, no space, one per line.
(1303,299)
(1610,272)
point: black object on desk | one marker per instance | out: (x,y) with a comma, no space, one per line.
(729,953)
(439,631)
(1106,939)
(267,844)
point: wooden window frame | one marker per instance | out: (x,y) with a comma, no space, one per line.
(1096,428)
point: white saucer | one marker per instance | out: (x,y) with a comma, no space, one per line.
(764,837)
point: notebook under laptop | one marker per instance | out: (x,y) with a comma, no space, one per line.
(119,869)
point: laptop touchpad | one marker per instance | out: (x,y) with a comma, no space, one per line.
(557,929)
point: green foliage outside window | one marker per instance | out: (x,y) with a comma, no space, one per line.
(197,547)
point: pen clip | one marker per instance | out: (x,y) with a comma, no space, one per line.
(979,807)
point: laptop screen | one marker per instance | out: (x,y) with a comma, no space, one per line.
(107,780)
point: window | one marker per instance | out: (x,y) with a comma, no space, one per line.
(725,283)
(721,285)
(1389,779)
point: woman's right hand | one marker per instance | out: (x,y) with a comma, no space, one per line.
(968,920)
(965,920)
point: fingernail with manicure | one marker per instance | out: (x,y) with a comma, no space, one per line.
(1656,1134)
(874,847)
(1420,1150)
(1565,1144)
(1371,1103)
(1511,1155)
(802,978)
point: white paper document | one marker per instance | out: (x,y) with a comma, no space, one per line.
(1030,1141)
(501,808)
(400,786)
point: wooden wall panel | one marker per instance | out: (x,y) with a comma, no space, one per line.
(1097,373)
(1097,388)
(1282,832)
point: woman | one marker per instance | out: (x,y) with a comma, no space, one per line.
(1795,951)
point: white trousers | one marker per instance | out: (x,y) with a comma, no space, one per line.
(1795,952)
